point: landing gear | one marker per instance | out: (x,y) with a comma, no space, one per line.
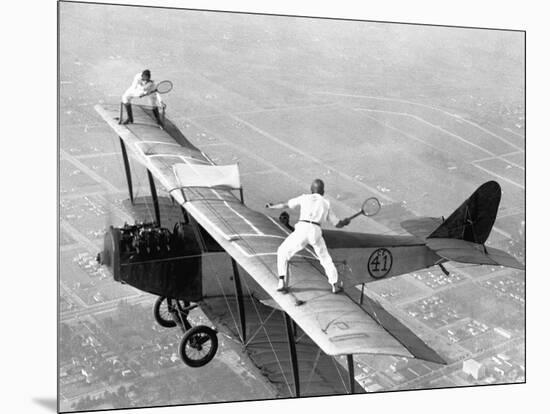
(162,312)
(199,344)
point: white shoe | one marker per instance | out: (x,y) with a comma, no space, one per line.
(336,287)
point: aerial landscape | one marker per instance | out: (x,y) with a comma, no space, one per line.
(418,116)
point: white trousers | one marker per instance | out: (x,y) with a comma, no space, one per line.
(304,234)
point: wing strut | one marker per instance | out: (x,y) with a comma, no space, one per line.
(127,169)
(239,295)
(293,357)
(155,196)
(351,372)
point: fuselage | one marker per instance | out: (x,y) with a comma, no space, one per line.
(196,266)
(364,257)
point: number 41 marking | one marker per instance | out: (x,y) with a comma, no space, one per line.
(380,262)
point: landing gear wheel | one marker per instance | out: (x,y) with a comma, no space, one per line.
(198,346)
(162,313)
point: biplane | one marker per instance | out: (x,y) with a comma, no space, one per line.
(216,221)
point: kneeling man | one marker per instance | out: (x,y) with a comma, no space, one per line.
(314,209)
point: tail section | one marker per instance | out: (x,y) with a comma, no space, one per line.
(462,235)
(474,219)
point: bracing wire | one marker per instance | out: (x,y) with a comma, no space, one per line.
(262,327)
(338,368)
(230,227)
(203,244)
(313,368)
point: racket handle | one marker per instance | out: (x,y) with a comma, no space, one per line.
(150,92)
(355,215)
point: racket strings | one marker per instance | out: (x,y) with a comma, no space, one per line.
(371,206)
(164,86)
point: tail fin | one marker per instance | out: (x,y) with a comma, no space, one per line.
(474,219)
(462,236)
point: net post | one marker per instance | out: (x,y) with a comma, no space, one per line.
(120,114)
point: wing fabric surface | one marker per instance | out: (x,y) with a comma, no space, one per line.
(335,322)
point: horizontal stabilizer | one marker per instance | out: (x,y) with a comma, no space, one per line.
(467,252)
(421,227)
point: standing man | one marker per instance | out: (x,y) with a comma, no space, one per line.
(314,209)
(142,86)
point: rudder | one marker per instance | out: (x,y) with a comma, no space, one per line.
(475,217)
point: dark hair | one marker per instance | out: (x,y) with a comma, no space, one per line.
(146,73)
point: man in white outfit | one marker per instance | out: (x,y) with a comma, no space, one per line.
(142,86)
(314,209)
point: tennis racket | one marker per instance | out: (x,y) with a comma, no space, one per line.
(371,206)
(162,87)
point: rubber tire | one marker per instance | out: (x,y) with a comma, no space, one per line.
(166,323)
(194,363)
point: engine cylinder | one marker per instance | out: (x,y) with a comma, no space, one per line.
(154,259)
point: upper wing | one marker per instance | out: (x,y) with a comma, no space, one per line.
(335,322)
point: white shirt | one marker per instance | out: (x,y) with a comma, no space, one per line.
(140,86)
(313,207)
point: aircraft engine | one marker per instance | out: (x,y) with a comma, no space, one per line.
(154,259)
